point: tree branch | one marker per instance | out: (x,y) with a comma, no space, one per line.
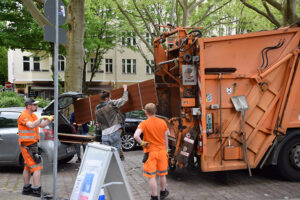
(142,17)
(40,1)
(152,21)
(259,12)
(191,4)
(35,13)
(181,5)
(219,23)
(194,5)
(134,27)
(275,4)
(270,14)
(160,21)
(206,15)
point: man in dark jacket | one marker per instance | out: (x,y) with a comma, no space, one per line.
(109,118)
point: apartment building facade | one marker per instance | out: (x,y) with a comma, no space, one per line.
(31,74)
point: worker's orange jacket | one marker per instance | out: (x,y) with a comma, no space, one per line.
(28,136)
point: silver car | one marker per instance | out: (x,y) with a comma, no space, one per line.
(10,154)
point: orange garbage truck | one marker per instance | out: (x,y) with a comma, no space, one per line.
(231,102)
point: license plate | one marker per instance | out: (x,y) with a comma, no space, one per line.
(70,149)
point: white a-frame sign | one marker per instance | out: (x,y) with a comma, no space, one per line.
(101,167)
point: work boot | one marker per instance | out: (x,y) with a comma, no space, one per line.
(27,190)
(164,194)
(154,197)
(37,191)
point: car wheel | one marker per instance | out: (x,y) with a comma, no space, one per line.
(127,142)
(65,160)
(289,160)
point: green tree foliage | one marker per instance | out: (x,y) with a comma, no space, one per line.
(18,30)
(3,65)
(100,34)
(147,17)
(278,12)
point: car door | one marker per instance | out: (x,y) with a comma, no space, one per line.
(64,100)
(9,148)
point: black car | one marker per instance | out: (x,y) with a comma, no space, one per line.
(132,120)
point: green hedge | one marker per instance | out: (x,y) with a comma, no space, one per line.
(12,99)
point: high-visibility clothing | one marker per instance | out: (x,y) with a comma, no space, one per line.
(28,136)
(154,130)
(30,164)
(157,164)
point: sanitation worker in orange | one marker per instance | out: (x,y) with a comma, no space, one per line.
(28,125)
(155,144)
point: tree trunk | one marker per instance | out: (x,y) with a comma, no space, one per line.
(74,47)
(84,83)
(289,12)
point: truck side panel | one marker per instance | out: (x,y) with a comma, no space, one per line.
(264,90)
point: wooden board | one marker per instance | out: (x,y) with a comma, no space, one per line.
(139,95)
(75,138)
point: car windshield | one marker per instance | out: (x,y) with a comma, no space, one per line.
(9,119)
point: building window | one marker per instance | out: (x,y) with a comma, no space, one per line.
(128,39)
(149,39)
(36,64)
(150,67)
(129,66)
(26,63)
(108,65)
(92,64)
(61,63)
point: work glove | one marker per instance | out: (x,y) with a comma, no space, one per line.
(145,144)
(49,118)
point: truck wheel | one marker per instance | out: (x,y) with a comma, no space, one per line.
(289,160)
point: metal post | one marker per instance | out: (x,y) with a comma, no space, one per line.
(245,142)
(221,139)
(55,100)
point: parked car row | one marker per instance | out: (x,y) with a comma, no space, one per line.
(10,153)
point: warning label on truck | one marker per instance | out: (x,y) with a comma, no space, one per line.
(189,75)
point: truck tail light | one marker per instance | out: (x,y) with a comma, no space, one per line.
(49,134)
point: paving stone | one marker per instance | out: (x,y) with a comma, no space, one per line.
(183,184)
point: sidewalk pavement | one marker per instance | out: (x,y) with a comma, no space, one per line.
(183,184)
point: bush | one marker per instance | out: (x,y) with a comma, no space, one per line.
(43,102)
(10,99)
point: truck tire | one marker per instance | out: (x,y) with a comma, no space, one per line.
(289,160)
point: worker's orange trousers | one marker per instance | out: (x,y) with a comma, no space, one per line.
(157,164)
(29,162)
